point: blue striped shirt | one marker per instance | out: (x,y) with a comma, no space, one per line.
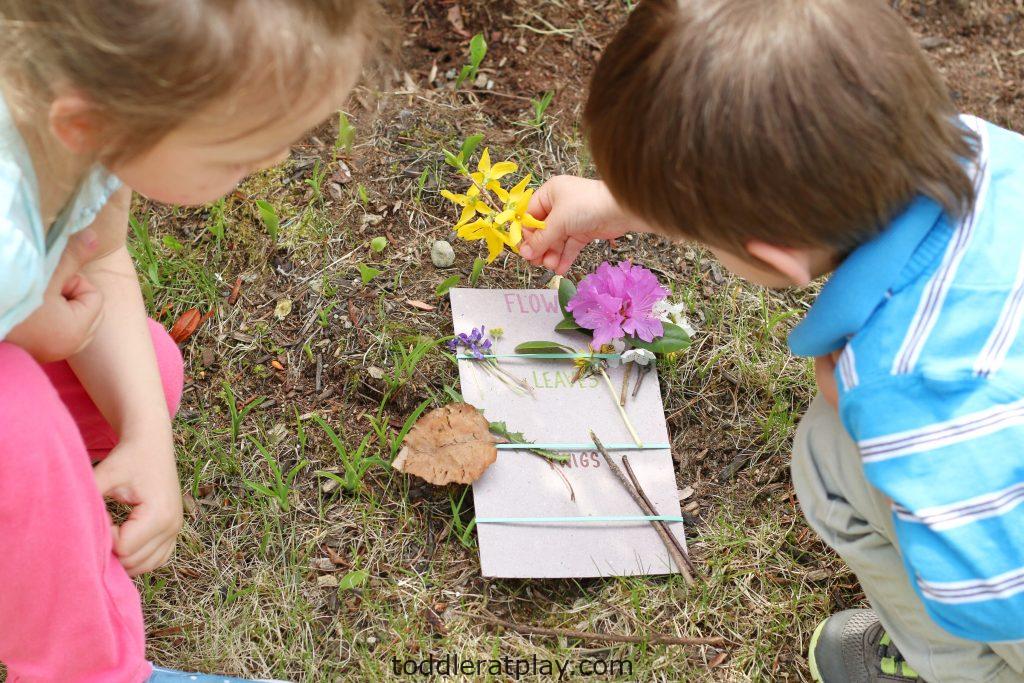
(931,388)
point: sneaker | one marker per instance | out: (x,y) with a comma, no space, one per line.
(161,675)
(853,647)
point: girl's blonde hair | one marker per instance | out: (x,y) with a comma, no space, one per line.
(147,65)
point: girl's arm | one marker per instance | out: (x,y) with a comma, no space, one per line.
(119,371)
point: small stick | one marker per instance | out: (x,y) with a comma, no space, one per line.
(666,537)
(625,383)
(640,490)
(640,378)
(319,372)
(653,638)
(622,411)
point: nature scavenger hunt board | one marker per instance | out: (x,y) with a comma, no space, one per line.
(523,485)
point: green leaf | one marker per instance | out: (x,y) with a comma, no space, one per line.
(452,160)
(353,579)
(378,243)
(443,288)
(532,347)
(269,215)
(367,273)
(346,133)
(453,395)
(568,324)
(477,50)
(675,339)
(171,242)
(469,146)
(478,268)
(566,291)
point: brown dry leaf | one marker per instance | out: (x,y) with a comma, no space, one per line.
(718,660)
(236,290)
(185,326)
(455,19)
(450,444)
(422,305)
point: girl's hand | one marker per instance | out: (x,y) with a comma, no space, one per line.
(142,474)
(71,311)
(577,211)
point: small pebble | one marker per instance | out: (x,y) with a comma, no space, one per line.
(441,254)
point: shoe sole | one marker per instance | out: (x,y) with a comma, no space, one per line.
(815,673)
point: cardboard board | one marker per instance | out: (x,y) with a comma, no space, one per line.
(520,484)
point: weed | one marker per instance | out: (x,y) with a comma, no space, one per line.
(477,52)
(367,273)
(462,530)
(268,214)
(279,487)
(354,463)
(237,413)
(346,135)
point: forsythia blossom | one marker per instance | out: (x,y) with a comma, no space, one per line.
(499,226)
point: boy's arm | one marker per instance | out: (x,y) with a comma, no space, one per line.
(576,211)
(947,451)
(119,371)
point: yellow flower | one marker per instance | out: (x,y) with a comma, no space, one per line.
(488,176)
(485,229)
(516,201)
(471,203)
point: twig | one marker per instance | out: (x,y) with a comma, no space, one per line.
(622,411)
(666,537)
(640,378)
(639,489)
(319,372)
(652,638)
(625,383)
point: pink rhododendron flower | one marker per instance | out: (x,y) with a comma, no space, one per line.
(618,300)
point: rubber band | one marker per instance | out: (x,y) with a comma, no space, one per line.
(571,520)
(581,447)
(541,356)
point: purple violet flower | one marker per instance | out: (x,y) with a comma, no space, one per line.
(475,343)
(617,301)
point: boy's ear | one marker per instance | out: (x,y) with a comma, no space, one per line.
(793,264)
(73,121)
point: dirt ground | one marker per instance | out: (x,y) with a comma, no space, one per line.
(324,581)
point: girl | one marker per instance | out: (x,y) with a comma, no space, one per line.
(178,100)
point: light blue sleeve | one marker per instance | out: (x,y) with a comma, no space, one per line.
(947,451)
(22,279)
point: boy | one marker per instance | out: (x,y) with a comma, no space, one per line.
(798,138)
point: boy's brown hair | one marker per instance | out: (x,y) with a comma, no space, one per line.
(801,123)
(148,65)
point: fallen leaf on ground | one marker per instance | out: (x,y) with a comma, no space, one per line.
(422,305)
(718,660)
(235,291)
(450,444)
(283,308)
(455,19)
(187,324)
(327,581)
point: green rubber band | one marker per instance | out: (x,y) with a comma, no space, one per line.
(572,520)
(581,447)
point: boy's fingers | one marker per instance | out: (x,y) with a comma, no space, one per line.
(541,202)
(573,247)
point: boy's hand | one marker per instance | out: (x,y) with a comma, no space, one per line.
(142,474)
(577,211)
(825,376)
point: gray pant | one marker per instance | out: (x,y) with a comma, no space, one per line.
(855,519)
